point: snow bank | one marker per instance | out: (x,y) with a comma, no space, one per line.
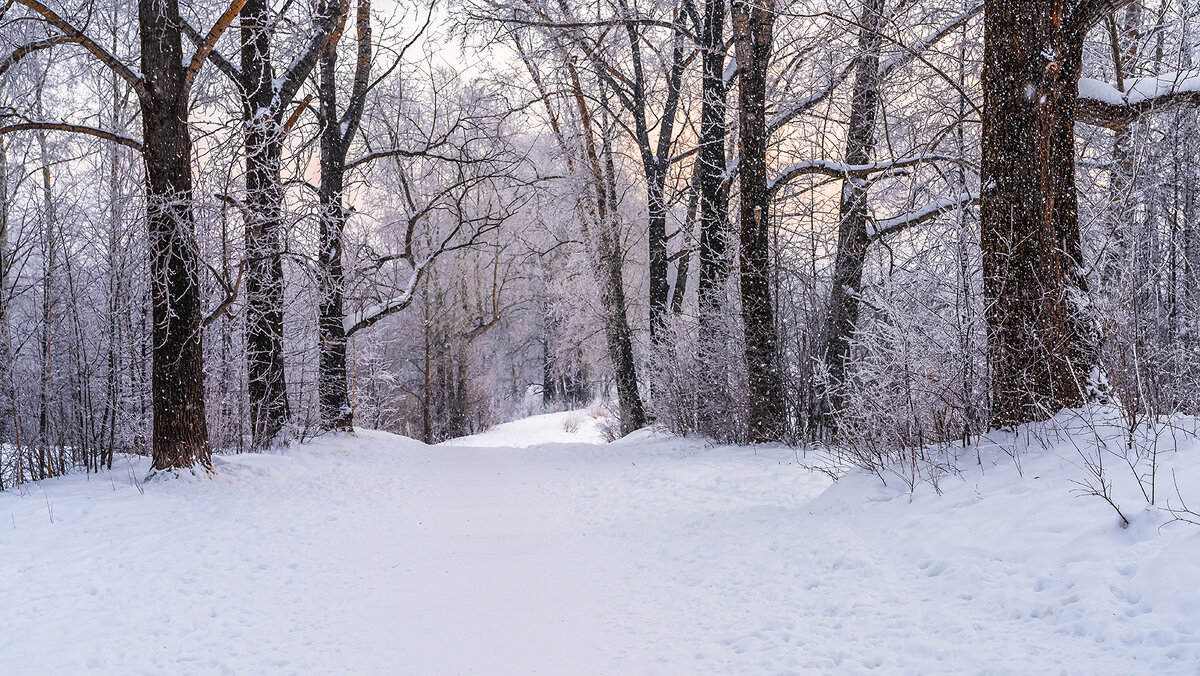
(379,555)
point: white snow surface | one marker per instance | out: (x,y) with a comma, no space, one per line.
(568,427)
(650,555)
(1140,90)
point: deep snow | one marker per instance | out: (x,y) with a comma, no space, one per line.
(379,555)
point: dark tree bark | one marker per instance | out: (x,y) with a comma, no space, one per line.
(1042,344)
(337,131)
(711,182)
(265,102)
(753,27)
(180,429)
(262,124)
(336,412)
(854,212)
(656,162)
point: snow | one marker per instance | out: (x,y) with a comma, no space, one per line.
(1140,90)
(1103,92)
(937,206)
(650,555)
(1145,88)
(356,320)
(579,427)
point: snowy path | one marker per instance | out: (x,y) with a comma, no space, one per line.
(383,556)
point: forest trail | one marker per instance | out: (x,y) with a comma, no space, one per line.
(380,555)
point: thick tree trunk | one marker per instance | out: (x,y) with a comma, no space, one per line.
(712,184)
(336,411)
(753,27)
(263,128)
(842,315)
(1041,342)
(180,430)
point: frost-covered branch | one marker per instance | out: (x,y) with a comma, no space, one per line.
(328,29)
(1104,105)
(935,208)
(841,169)
(910,52)
(32,47)
(218,59)
(105,57)
(368,316)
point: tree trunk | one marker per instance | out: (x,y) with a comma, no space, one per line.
(180,429)
(753,27)
(5,365)
(620,337)
(263,128)
(336,411)
(713,189)
(45,462)
(657,240)
(269,412)
(1042,345)
(842,315)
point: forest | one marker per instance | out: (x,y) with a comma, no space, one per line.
(599,337)
(872,226)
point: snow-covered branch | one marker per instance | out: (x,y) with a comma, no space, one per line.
(368,316)
(935,208)
(218,59)
(910,52)
(35,46)
(837,169)
(329,22)
(1104,105)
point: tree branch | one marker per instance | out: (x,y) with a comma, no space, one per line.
(328,30)
(926,213)
(25,50)
(1102,105)
(231,70)
(73,128)
(134,78)
(206,45)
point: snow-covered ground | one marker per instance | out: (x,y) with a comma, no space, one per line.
(568,427)
(379,555)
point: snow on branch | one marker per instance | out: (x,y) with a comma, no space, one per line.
(330,21)
(1103,105)
(911,51)
(935,208)
(478,227)
(223,64)
(354,323)
(840,169)
(797,108)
